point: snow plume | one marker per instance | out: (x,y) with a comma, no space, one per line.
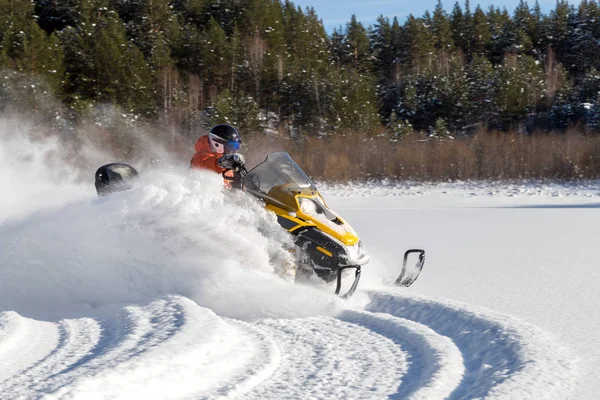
(33,172)
(44,163)
(173,233)
(65,252)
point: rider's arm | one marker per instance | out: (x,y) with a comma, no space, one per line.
(206,161)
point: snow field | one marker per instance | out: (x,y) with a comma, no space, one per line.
(503,356)
(400,347)
(168,291)
(435,363)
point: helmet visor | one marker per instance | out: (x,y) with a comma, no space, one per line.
(229,146)
(232,145)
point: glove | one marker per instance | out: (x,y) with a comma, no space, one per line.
(231,161)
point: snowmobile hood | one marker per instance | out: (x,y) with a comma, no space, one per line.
(290,193)
(306,209)
(313,208)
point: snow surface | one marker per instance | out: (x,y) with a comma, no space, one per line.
(167,291)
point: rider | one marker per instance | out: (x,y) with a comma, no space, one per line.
(217,152)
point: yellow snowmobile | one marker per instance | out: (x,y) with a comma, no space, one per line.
(326,245)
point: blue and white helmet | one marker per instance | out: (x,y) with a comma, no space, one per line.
(224,139)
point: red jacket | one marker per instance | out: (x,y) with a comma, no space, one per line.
(207,159)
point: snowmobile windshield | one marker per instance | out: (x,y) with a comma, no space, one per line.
(277,171)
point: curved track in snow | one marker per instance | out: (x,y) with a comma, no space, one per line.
(397,347)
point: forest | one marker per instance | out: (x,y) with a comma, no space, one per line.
(269,67)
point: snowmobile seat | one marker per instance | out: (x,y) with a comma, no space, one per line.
(114,177)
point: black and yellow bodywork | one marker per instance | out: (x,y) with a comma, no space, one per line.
(324,241)
(326,245)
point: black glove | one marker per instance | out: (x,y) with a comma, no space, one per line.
(231,161)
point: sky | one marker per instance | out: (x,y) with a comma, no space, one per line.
(336,13)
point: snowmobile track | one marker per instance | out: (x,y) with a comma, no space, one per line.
(503,356)
(76,338)
(324,357)
(399,347)
(435,363)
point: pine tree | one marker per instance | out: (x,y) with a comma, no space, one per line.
(43,56)
(191,11)
(453,92)
(536,29)
(580,51)
(25,47)
(382,50)
(481,38)
(215,55)
(102,65)
(399,48)
(519,86)
(564,108)
(147,21)
(354,105)
(55,15)
(227,13)
(239,111)
(420,43)
(504,32)
(337,49)
(357,53)
(442,32)
(442,29)
(481,83)
(385,62)
(440,130)
(461,26)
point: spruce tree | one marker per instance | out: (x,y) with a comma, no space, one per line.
(442,29)
(519,87)
(482,99)
(481,39)
(55,15)
(102,65)
(420,42)
(382,50)
(25,47)
(215,58)
(457,24)
(354,104)
(357,53)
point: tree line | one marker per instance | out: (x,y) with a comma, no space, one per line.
(268,64)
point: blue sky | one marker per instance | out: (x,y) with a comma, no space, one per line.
(337,12)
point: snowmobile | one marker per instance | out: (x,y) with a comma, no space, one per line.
(326,245)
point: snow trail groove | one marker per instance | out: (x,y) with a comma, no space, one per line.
(324,357)
(503,356)
(77,337)
(23,342)
(435,363)
(398,347)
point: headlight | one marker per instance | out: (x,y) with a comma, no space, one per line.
(308,206)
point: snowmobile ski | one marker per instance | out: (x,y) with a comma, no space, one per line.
(338,285)
(408,276)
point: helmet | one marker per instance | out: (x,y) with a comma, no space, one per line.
(224,139)
(114,178)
